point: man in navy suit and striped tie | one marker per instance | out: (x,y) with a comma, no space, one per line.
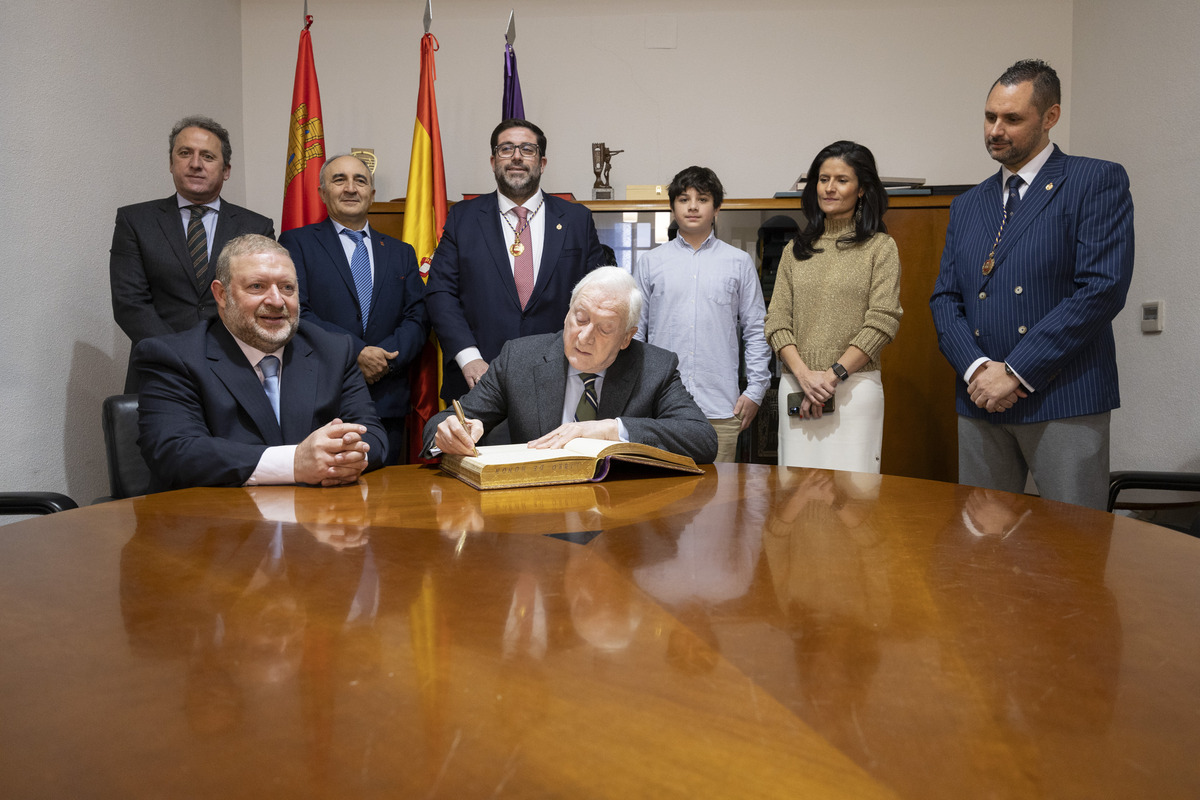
(1037,263)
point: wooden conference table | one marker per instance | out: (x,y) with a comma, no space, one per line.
(751,633)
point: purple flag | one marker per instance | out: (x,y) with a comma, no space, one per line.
(514,106)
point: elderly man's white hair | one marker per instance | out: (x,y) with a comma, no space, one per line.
(617,283)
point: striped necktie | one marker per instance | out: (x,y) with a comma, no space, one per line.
(589,402)
(360,267)
(197,241)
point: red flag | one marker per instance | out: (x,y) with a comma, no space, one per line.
(424,218)
(306,143)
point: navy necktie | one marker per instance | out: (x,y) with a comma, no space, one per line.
(1014,195)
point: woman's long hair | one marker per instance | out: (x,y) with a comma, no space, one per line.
(868,216)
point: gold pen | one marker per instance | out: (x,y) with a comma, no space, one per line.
(462,420)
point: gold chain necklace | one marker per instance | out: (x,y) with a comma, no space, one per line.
(518,248)
(990,264)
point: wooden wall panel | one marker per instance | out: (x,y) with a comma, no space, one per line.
(920,433)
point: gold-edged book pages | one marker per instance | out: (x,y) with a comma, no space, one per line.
(509,466)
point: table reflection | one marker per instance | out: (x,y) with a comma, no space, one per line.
(752,632)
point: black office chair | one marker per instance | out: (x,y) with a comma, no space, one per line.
(29,503)
(128,475)
(1161,481)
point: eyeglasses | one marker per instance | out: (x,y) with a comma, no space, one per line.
(506,150)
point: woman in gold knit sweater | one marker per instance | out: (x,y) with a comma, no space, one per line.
(835,305)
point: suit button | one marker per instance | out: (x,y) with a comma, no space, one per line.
(977,331)
(1021,330)
(983,295)
(1018,290)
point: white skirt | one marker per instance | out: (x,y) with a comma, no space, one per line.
(850,438)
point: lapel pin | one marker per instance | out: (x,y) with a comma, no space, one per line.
(1049,186)
(558,226)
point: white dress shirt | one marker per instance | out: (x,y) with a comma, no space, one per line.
(278,463)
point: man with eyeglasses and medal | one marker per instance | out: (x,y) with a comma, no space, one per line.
(507,260)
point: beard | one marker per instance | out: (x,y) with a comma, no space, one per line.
(1010,152)
(247,328)
(518,184)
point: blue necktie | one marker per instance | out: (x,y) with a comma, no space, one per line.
(360,266)
(270,370)
(1014,195)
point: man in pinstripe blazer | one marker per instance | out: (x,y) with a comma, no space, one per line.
(1037,263)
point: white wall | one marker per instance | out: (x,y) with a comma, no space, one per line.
(1136,102)
(90,91)
(753,89)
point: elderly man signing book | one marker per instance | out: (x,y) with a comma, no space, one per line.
(590,381)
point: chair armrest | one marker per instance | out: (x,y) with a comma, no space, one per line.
(1134,479)
(13,503)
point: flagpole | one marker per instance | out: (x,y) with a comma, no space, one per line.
(306,141)
(512,104)
(424,217)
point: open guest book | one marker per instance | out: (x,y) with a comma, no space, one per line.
(508,466)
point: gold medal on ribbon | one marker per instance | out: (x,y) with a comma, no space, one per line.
(988,265)
(518,248)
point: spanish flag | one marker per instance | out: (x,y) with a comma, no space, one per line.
(306,143)
(424,218)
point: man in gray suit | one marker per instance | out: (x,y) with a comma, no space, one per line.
(592,380)
(163,251)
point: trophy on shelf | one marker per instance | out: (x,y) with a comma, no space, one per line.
(601,164)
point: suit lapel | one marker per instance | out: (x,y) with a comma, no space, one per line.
(619,382)
(380,253)
(226,224)
(550,379)
(298,389)
(552,245)
(1045,186)
(229,364)
(171,223)
(497,246)
(984,215)
(331,243)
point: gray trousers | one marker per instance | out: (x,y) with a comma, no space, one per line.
(1068,457)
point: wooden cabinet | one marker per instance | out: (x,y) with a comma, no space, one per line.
(920,433)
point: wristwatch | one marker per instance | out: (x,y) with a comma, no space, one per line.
(840,371)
